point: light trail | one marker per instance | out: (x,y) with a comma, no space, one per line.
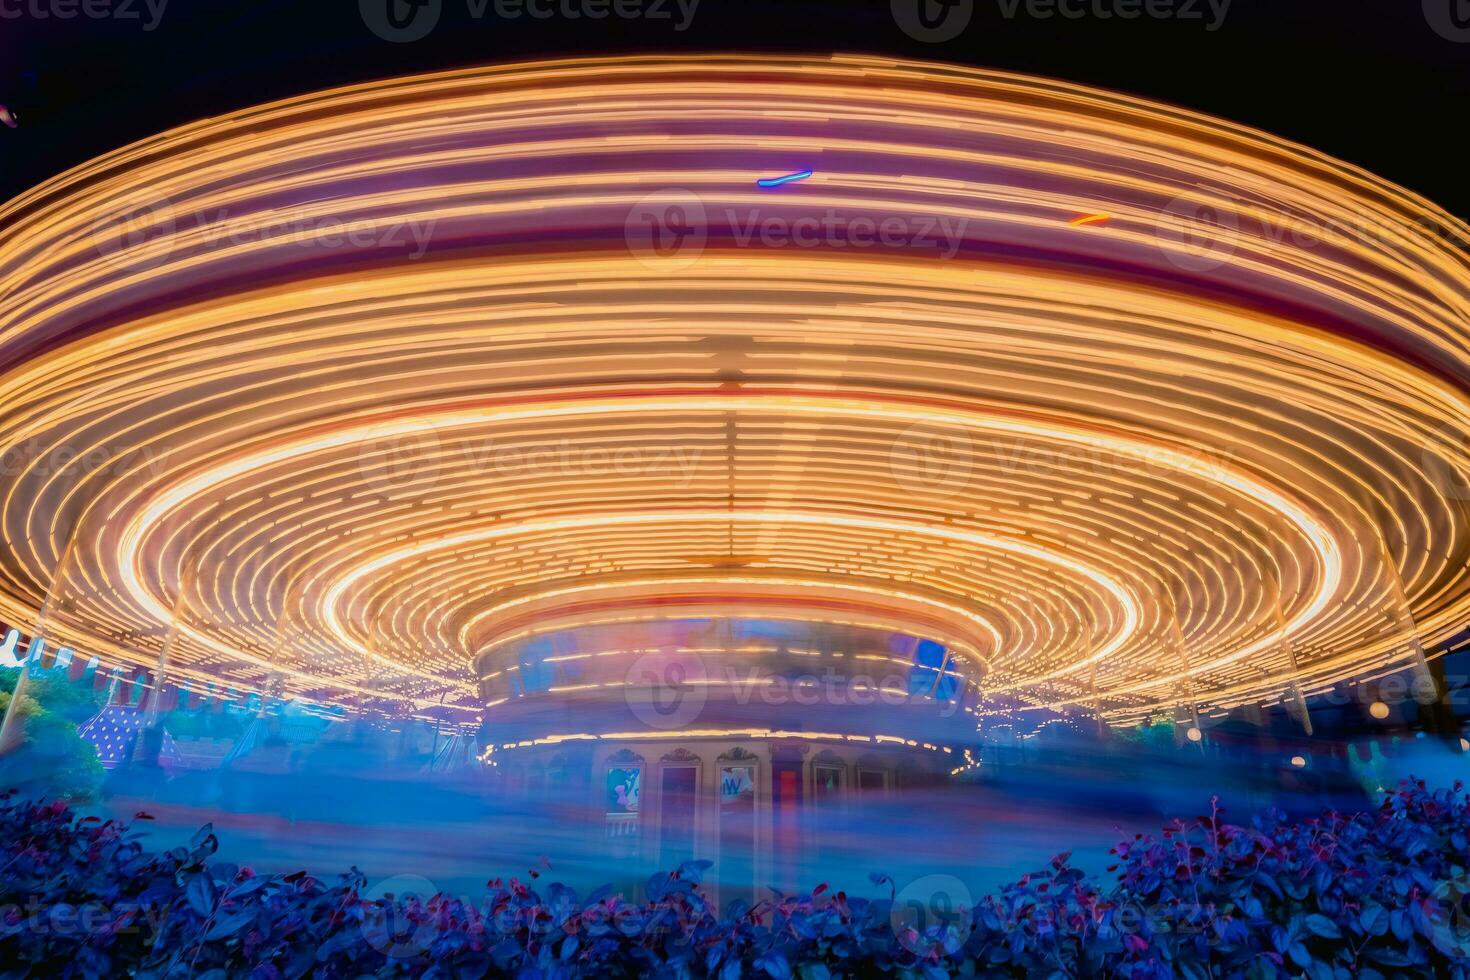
(341,392)
(778,181)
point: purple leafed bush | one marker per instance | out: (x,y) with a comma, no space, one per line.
(1380,894)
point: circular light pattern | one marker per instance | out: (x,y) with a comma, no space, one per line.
(349,393)
(1378,710)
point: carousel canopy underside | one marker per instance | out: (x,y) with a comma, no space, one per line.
(1120,404)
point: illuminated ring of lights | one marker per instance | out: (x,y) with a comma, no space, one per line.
(158,508)
(967,643)
(721,733)
(147,304)
(331,600)
(1321,539)
(651,616)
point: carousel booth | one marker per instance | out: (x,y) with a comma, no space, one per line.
(736,741)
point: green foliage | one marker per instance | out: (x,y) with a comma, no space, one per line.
(1157,732)
(205,724)
(1371,895)
(55,694)
(52,759)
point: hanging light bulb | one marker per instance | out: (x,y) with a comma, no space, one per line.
(1194,734)
(1378,710)
(1298,761)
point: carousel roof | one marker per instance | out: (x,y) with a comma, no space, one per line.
(1120,403)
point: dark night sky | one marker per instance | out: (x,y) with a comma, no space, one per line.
(1371,81)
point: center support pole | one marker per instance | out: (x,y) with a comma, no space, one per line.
(1181,650)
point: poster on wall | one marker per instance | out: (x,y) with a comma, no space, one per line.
(737,787)
(826,784)
(623,785)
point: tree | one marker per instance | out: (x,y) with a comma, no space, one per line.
(52,759)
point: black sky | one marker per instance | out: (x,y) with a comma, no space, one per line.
(1372,81)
